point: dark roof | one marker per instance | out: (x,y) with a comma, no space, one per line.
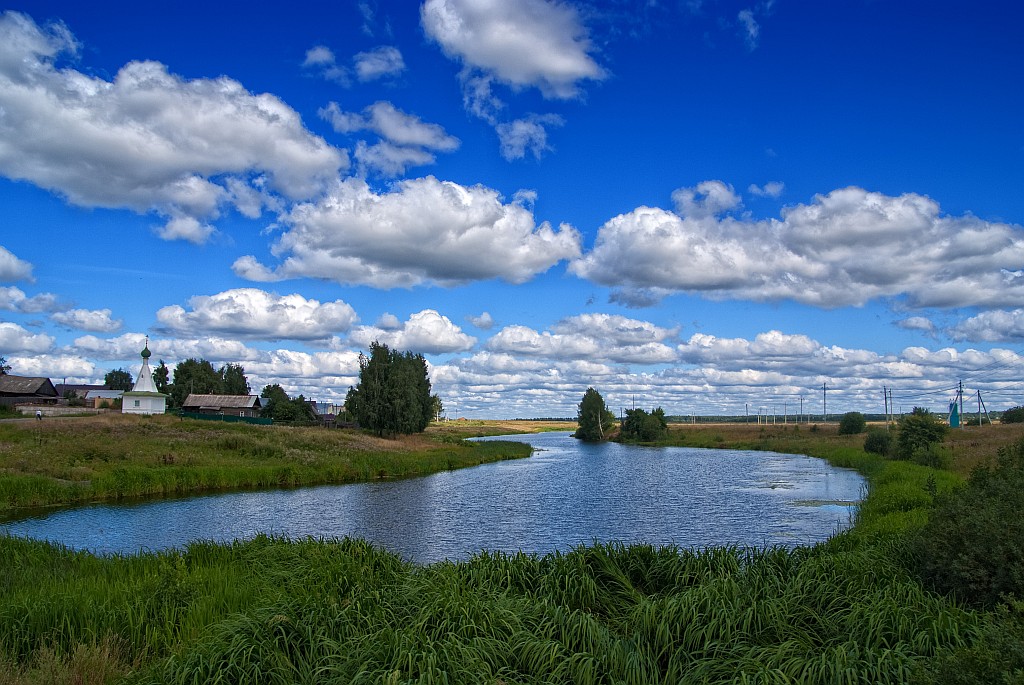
(103,394)
(26,385)
(79,388)
(220,401)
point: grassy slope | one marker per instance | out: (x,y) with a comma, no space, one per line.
(60,461)
(276,611)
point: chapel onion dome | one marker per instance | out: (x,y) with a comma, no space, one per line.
(146,354)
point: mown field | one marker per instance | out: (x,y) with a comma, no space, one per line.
(851,610)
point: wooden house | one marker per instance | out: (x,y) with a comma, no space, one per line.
(227,405)
(26,390)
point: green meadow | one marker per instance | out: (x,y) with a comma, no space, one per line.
(855,609)
(115,456)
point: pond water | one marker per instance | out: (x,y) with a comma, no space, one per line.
(566,494)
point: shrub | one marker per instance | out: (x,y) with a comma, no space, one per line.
(973,544)
(641,426)
(934,456)
(878,441)
(852,423)
(916,432)
(1013,415)
(995,652)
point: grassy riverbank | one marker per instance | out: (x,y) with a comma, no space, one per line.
(114,456)
(275,611)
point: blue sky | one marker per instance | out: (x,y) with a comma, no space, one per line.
(713,207)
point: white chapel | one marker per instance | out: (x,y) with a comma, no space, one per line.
(143,398)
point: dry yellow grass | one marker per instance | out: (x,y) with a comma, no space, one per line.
(968,446)
(976,445)
(470,427)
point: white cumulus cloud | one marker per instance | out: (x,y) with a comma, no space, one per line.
(526,135)
(380,62)
(994,326)
(258,314)
(56,367)
(320,59)
(423,231)
(845,248)
(917,323)
(13,269)
(148,140)
(599,338)
(484,322)
(14,339)
(407,141)
(391,123)
(97,320)
(770,189)
(528,43)
(426,332)
(14,299)
(709,198)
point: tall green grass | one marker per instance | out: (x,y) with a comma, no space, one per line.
(273,611)
(849,610)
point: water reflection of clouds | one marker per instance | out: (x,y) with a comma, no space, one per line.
(565,495)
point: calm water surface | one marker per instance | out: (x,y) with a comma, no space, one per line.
(567,493)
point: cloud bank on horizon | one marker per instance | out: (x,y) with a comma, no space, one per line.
(540,196)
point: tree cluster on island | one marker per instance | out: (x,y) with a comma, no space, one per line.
(642,426)
(596,422)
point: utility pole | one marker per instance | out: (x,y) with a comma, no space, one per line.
(801,408)
(962,404)
(885,399)
(824,403)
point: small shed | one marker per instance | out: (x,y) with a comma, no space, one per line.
(227,405)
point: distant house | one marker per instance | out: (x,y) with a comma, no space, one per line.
(228,405)
(26,389)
